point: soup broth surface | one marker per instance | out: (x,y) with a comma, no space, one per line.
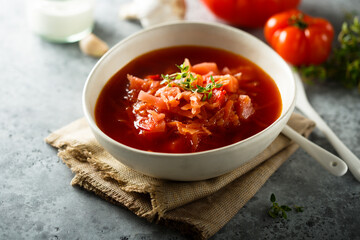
(230,100)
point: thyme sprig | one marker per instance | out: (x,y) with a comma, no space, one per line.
(207,91)
(298,208)
(187,80)
(276,210)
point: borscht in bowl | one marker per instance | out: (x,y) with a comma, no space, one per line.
(187,99)
(191,106)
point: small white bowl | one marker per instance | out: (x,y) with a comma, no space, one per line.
(200,165)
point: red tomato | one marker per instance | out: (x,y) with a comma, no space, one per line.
(299,38)
(248,13)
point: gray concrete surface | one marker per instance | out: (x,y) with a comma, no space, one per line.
(40,91)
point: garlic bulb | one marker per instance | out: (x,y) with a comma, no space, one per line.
(152,12)
(93,46)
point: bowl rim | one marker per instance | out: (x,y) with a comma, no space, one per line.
(94,127)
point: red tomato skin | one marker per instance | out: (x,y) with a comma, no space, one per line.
(248,13)
(310,44)
(291,44)
(320,47)
(277,22)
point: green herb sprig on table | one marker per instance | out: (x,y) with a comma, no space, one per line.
(187,80)
(344,63)
(276,210)
(298,208)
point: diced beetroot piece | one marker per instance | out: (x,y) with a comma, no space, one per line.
(156,116)
(233,85)
(156,77)
(205,68)
(187,63)
(152,100)
(152,123)
(219,96)
(150,126)
(138,83)
(227,109)
(229,82)
(170,95)
(245,108)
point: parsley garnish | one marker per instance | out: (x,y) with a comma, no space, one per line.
(276,210)
(186,82)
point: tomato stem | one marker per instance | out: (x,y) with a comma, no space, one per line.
(298,21)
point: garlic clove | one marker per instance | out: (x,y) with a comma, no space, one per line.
(129,11)
(178,7)
(93,46)
(152,12)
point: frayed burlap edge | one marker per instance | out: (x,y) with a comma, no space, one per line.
(102,179)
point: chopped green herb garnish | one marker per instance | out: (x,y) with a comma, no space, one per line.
(187,80)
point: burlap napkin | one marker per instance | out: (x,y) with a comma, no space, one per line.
(198,209)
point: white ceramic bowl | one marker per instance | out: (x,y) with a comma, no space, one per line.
(201,165)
